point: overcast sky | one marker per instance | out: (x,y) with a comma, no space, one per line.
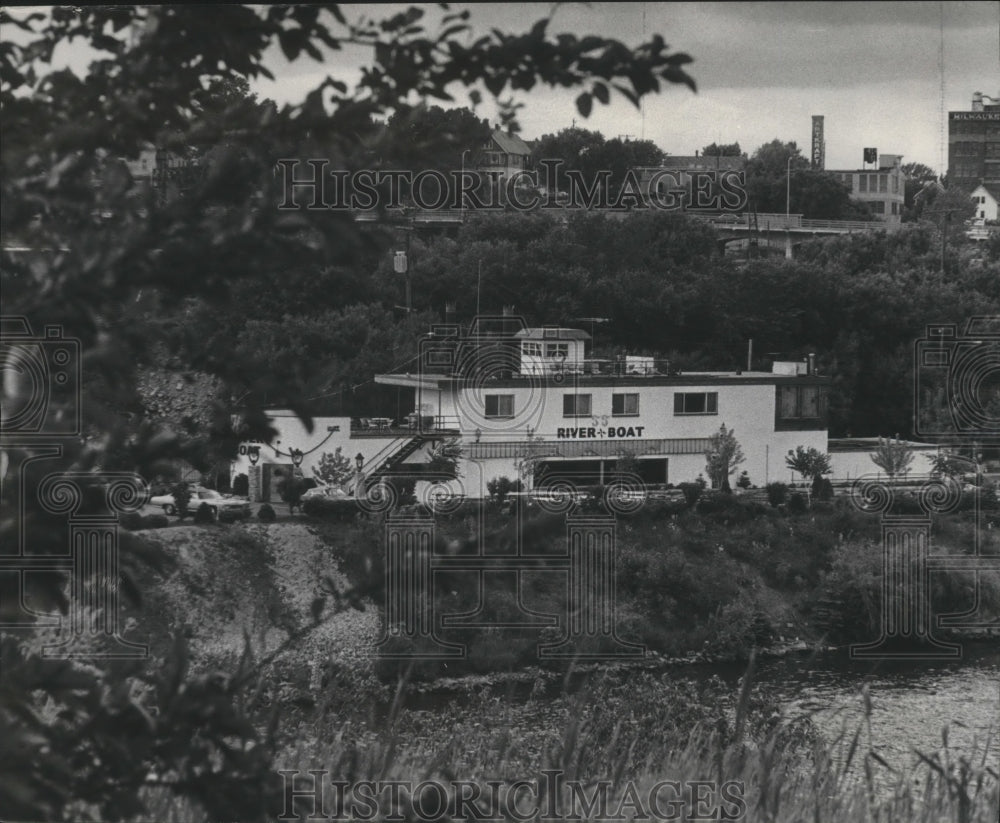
(872,69)
(763,69)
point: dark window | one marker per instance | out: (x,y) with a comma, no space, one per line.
(576,405)
(799,403)
(696,403)
(499,405)
(624,405)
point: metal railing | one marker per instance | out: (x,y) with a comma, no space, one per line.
(777,222)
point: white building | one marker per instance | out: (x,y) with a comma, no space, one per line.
(986,203)
(509,393)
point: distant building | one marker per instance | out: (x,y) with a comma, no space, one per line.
(704,162)
(986,198)
(884,188)
(504,153)
(974,144)
(696,182)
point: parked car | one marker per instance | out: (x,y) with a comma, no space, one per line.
(222,506)
(326,492)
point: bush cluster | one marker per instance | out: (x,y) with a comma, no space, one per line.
(340,511)
(133,521)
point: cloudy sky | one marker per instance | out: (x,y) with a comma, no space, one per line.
(873,70)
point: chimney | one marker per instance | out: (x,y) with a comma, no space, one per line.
(449,312)
(811,368)
(977,101)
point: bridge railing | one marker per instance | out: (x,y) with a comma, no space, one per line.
(844,225)
(410,215)
(777,222)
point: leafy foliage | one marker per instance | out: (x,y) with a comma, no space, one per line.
(140,274)
(182,498)
(892,456)
(499,487)
(810,463)
(335,469)
(723,455)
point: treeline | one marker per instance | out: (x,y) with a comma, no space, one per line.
(858,302)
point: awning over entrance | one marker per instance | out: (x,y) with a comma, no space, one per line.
(591,448)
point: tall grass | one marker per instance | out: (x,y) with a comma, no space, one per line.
(788,773)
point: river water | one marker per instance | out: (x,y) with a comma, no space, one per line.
(912,701)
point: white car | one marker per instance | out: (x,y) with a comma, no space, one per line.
(222,506)
(325,492)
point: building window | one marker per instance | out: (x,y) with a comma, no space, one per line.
(499,405)
(532,349)
(560,350)
(878,206)
(624,405)
(696,402)
(863,183)
(576,405)
(799,403)
(883,183)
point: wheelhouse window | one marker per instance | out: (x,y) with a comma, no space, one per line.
(499,405)
(799,403)
(532,349)
(696,403)
(624,405)
(576,405)
(800,407)
(560,350)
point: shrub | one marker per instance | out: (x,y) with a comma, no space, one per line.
(155,521)
(500,487)
(182,498)
(822,489)
(241,485)
(692,491)
(131,521)
(291,489)
(341,511)
(204,514)
(404,488)
(266,514)
(797,503)
(777,493)
(744,481)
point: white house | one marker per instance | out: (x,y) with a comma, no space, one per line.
(986,203)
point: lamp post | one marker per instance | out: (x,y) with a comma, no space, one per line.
(788,209)
(788,189)
(297,457)
(253,455)
(462,184)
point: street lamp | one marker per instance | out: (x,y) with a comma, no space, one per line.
(253,455)
(297,456)
(359,461)
(462,184)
